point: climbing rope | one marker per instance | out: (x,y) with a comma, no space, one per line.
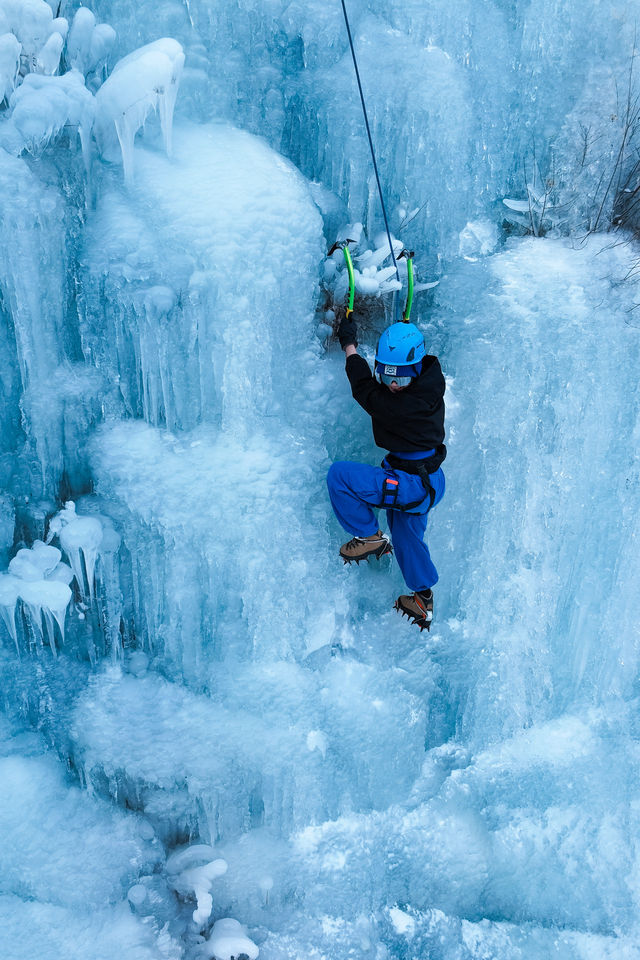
(373,153)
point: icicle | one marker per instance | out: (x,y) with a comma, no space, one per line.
(9,592)
(89,43)
(81,539)
(48,598)
(189,876)
(108,575)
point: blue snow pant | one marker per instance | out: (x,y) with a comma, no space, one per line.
(354,488)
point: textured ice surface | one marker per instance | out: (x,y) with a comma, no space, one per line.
(199,278)
(468,839)
(285,782)
(460,101)
(550,456)
(467,795)
(65,861)
(32,283)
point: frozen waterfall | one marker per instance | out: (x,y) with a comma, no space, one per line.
(216,740)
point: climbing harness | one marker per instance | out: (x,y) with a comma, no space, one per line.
(419,468)
(391,489)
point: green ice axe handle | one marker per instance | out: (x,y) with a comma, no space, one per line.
(352,282)
(407,310)
(344,246)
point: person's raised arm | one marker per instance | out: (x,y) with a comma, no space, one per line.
(348,335)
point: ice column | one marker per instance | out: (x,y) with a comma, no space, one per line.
(32,265)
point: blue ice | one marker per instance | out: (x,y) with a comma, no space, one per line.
(215,739)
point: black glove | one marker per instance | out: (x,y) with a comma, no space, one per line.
(348,332)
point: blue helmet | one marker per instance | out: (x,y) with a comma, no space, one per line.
(400,345)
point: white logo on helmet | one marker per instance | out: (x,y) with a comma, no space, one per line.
(390,371)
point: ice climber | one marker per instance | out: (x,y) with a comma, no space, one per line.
(406,406)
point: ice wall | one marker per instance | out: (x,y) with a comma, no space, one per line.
(210,265)
(219,333)
(443,87)
(547,461)
(64,859)
(211,666)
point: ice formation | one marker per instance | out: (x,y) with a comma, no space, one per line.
(80,538)
(41,581)
(42,106)
(32,52)
(192,873)
(9,594)
(228,940)
(144,81)
(69,898)
(10,48)
(89,43)
(240,748)
(37,578)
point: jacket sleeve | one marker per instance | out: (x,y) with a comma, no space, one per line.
(435,382)
(364,387)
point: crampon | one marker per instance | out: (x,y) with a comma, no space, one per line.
(418,607)
(362,548)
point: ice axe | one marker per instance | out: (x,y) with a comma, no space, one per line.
(408,255)
(344,246)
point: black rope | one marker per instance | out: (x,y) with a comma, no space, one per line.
(373,154)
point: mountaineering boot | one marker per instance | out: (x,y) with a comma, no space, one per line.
(418,607)
(361,548)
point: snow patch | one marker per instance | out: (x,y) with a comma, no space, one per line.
(228,940)
(402,922)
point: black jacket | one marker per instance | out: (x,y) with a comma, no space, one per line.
(410,420)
